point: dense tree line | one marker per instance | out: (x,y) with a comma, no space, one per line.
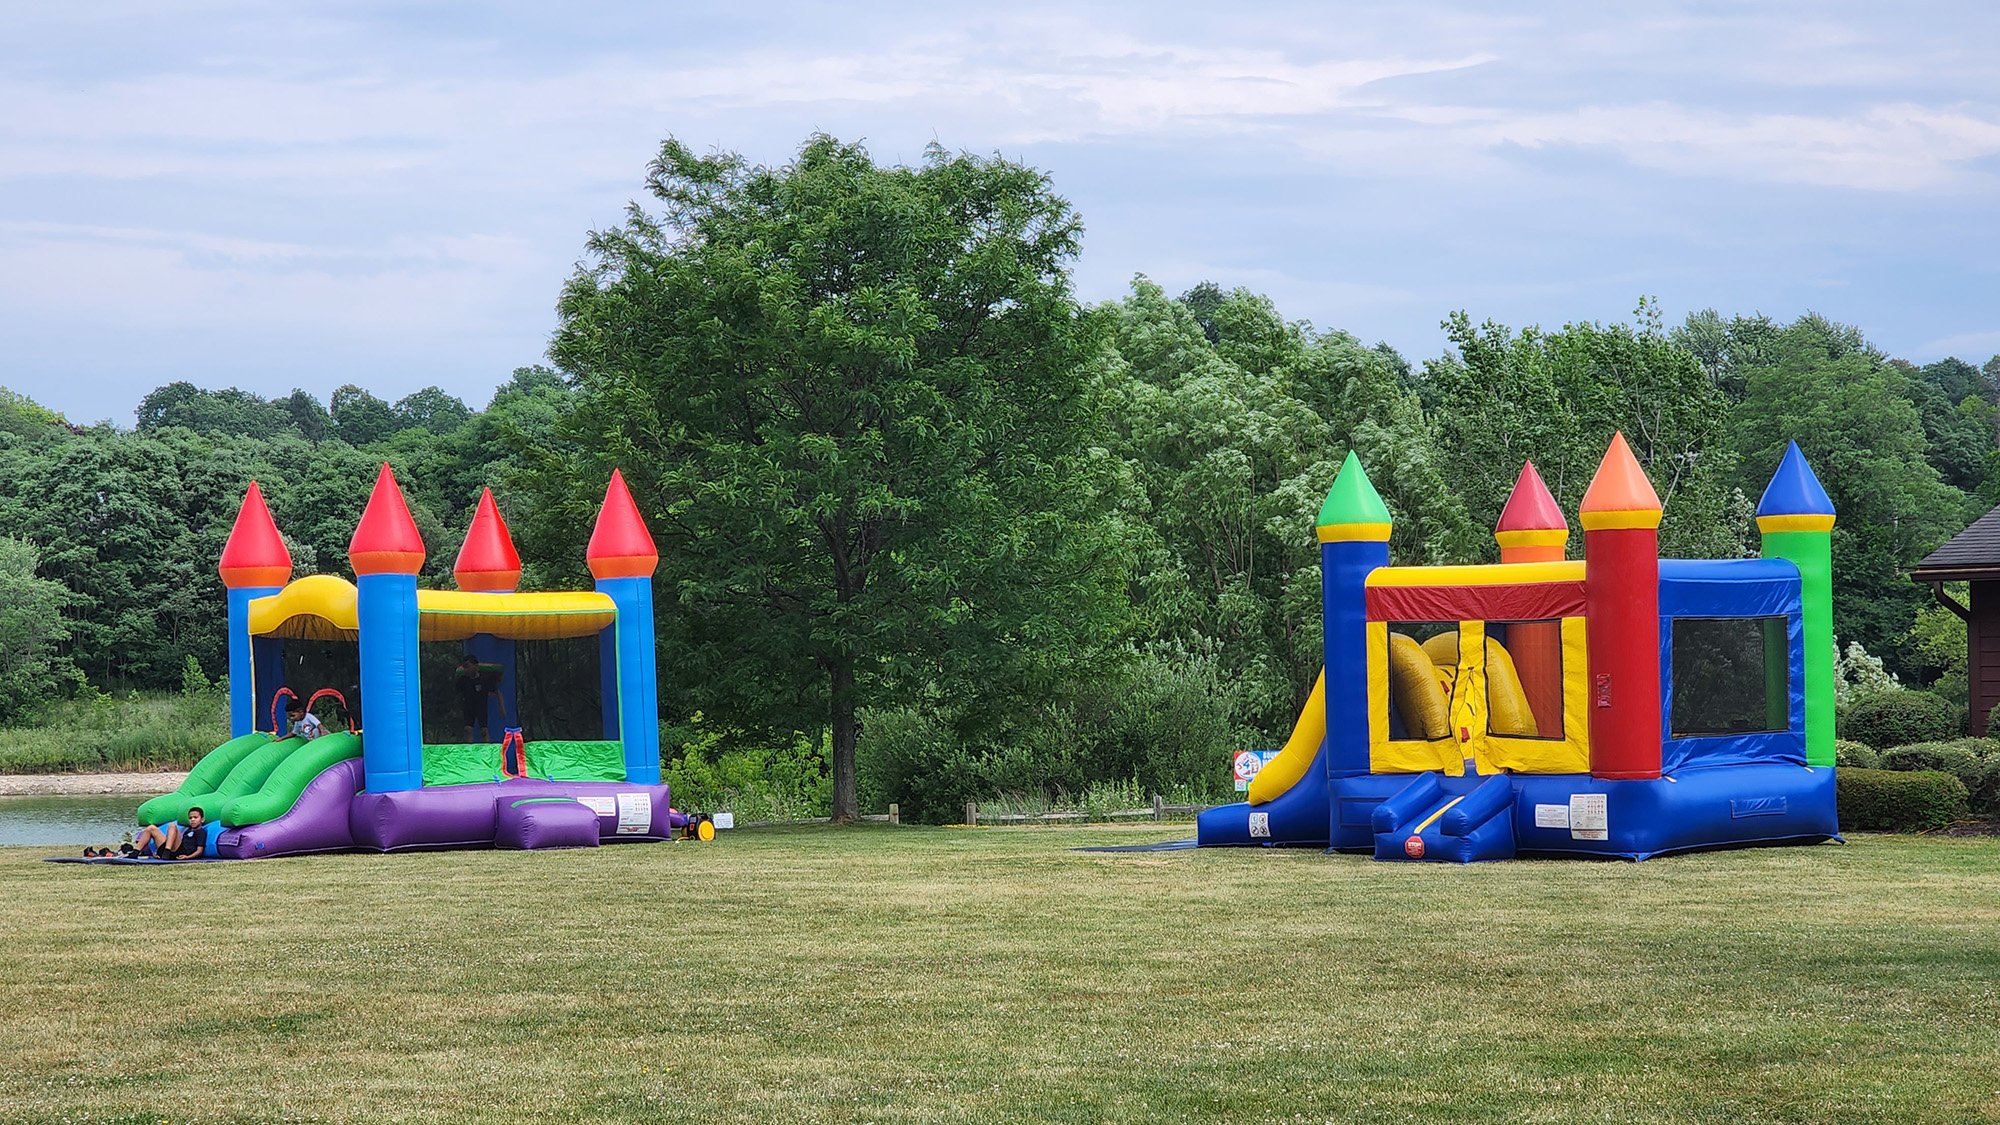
(913,495)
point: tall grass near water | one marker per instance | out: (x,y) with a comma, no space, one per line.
(159,730)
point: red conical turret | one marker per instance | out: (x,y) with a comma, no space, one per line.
(1531,517)
(620,545)
(255,554)
(386,540)
(1532,530)
(487,561)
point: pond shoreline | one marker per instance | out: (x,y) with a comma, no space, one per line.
(50,784)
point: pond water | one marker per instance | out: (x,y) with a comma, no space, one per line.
(69,818)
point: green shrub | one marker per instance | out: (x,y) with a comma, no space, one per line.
(713,769)
(1993,720)
(1897,718)
(1854,755)
(1975,762)
(1157,724)
(912,757)
(36,750)
(1889,800)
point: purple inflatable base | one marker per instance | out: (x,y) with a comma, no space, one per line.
(331,816)
(317,822)
(466,816)
(534,823)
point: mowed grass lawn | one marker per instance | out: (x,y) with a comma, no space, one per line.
(996,975)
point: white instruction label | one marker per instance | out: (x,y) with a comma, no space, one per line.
(602,806)
(1260,825)
(1589,819)
(1552,816)
(635,813)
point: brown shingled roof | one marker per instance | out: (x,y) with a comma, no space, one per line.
(1972,553)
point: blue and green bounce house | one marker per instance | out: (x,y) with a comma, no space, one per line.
(1621,705)
(378,785)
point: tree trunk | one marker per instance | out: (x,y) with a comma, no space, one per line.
(846,731)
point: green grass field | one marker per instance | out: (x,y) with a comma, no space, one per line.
(995,975)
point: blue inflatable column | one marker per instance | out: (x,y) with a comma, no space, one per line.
(254,677)
(622,559)
(387,553)
(638,677)
(255,564)
(392,751)
(1353,530)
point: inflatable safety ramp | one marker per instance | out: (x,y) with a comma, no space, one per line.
(1439,820)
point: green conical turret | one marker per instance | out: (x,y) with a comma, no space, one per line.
(1353,509)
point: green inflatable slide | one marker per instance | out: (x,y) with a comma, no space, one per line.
(251,779)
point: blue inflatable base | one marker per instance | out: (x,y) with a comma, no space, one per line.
(1296,819)
(1550,814)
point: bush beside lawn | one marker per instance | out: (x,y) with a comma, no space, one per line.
(1895,801)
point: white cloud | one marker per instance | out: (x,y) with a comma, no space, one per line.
(168,279)
(1972,346)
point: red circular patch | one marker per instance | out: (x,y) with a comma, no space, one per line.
(1414,847)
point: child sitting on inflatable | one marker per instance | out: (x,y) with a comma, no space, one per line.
(168,841)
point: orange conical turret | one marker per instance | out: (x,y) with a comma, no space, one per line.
(386,540)
(620,545)
(255,554)
(487,561)
(1620,495)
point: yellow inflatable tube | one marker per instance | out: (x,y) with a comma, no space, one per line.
(1285,770)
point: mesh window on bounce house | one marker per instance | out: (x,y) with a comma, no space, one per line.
(1621,706)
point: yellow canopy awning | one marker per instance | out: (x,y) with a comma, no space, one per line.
(322,607)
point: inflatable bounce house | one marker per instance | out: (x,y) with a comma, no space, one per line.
(377,785)
(1623,705)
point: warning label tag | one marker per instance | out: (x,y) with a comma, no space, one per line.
(635,813)
(1589,818)
(1552,816)
(1260,824)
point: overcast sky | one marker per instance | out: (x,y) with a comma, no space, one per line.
(310,194)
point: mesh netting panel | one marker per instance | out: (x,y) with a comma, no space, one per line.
(558,693)
(312,665)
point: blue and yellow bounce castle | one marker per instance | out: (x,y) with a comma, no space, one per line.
(1622,705)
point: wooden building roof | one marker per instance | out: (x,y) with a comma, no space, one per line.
(1971,554)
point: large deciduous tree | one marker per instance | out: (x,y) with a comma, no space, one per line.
(1850,410)
(1234,421)
(857,404)
(32,667)
(1555,398)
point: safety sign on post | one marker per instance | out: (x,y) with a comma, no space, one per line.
(1246,765)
